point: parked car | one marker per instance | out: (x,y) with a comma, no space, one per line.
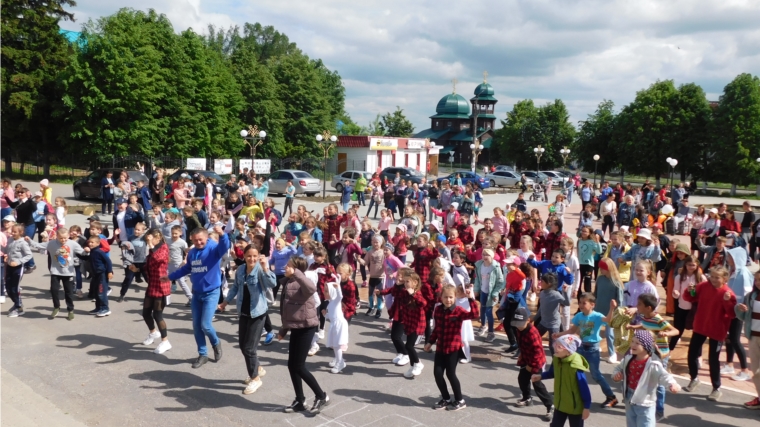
(467,176)
(535,176)
(89,186)
(303,181)
(408,174)
(504,168)
(220,181)
(350,176)
(505,179)
(556,176)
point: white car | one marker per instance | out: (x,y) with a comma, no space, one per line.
(350,176)
(505,179)
(556,176)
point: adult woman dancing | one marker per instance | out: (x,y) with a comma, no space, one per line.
(249,287)
(298,309)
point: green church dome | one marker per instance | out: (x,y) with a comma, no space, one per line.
(453,104)
(483,90)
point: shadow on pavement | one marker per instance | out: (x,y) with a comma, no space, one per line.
(118,350)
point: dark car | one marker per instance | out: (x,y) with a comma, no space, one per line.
(467,177)
(407,174)
(89,187)
(220,181)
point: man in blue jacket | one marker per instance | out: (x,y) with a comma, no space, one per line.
(204,268)
(145,197)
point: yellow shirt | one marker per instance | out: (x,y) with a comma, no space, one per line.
(48,195)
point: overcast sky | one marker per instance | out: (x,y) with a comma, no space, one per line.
(405,53)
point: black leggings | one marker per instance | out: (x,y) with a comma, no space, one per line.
(447,363)
(298,349)
(560,418)
(734,344)
(153,314)
(713,358)
(586,271)
(288,204)
(428,329)
(523,380)
(397,333)
(281,280)
(249,335)
(322,306)
(679,322)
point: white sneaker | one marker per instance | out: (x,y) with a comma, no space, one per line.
(163,347)
(464,361)
(332,363)
(252,386)
(612,359)
(321,334)
(483,331)
(313,350)
(338,367)
(403,361)
(151,337)
(397,358)
(727,370)
(417,369)
(741,376)
(409,373)
(168,299)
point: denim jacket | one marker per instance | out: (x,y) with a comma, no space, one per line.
(258,282)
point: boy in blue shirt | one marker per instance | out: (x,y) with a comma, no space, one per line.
(102,272)
(556,265)
(587,324)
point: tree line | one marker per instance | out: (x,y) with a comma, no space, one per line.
(131,85)
(718,141)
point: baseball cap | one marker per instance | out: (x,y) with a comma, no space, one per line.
(10,218)
(121,200)
(521,316)
(93,218)
(37,194)
(442,238)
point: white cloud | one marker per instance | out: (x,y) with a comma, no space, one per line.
(395,52)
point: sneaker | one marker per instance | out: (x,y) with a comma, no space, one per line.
(610,402)
(252,386)
(296,406)
(13,313)
(659,416)
(187,304)
(168,299)
(741,376)
(313,350)
(753,404)
(409,372)
(369,312)
(94,311)
(54,313)
(319,404)
(524,402)
(404,360)
(490,337)
(262,371)
(21,312)
(103,313)
(373,312)
(120,299)
(321,334)
(715,395)
(464,361)
(442,404)
(269,338)
(397,358)
(417,369)
(80,295)
(549,414)
(379,314)
(200,361)
(358,305)
(693,384)
(612,359)
(482,331)
(511,349)
(727,370)
(332,363)
(455,406)
(108,294)
(163,347)
(338,367)
(217,351)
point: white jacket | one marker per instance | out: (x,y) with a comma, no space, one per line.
(654,374)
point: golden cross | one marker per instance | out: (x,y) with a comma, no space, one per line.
(485,76)
(454,82)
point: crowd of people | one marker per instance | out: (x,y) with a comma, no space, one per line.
(433,263)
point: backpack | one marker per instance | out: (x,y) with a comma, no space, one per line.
(48,208)
(277,215)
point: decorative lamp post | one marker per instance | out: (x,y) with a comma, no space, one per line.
(596,163)
(451,160)
(672,163)
(565,153)
(539,151)
(476,148)
(326,141)
(253,137)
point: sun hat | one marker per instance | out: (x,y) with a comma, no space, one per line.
(713,210)
(37,194)
(45,182)
(645,233)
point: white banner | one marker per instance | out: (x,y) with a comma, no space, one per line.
(196,164)
(262,166)
(223,166)
(244,163)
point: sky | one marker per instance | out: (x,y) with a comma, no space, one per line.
(405,53)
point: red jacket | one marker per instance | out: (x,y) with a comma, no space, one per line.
(351,250)
(466,233)
(447,333)
(714,314)
(514,280)
(156,265)
(348,288)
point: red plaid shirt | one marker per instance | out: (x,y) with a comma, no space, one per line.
(422,260)
(552,243)
(466,233)
(157,266)
(431,295)
(531,349)
(322,278)
(333,227)
(349,298)
(516,231)
(447,334)
(412,311)
(539,242)
(395,291)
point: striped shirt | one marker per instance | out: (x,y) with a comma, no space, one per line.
(657,324)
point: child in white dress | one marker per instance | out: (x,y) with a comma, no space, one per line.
(461,279)
(337,334)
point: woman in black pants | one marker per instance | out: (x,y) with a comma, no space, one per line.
(299,317)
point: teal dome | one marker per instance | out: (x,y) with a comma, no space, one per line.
(453,104)
(483,90)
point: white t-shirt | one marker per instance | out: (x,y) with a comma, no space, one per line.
(60,215)
(608,207)
(122,227)
(485,278)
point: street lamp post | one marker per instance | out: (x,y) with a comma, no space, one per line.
(253,137)
(539,151)
(326,141)
(565,153)
(596,163)
(476,149)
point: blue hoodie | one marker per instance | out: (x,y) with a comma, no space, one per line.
(546,266)
(741,279)
(203,265)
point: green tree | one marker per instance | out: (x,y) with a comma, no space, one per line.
(396,124)
(595,136)
(693,118)
(737,132)
(33,53)
(555,133)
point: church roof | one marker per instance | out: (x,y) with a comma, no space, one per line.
(452,106)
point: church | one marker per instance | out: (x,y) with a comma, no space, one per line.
(454,127)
